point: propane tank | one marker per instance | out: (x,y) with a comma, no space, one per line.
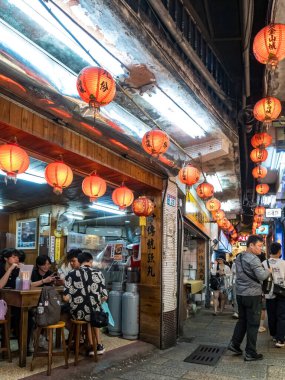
(115,306)
(130,312)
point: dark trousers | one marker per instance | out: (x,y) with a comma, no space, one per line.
(249,310)
(276,317)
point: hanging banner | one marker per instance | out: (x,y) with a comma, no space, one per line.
(197,214)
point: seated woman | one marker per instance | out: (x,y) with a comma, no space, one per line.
(9,268)
(42,275)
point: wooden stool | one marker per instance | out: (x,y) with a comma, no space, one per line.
(50,353)
(5,332)
(77,327)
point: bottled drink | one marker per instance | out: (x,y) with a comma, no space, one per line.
(18,283)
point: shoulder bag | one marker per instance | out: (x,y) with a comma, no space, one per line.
(266,284)
(278,290)
(97,318)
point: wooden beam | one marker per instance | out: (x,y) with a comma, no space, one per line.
(49,139)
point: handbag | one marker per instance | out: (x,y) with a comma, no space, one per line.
(98,318)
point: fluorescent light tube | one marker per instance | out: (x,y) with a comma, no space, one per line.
(107,209)
(29,178)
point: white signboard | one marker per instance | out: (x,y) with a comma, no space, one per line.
(273,212)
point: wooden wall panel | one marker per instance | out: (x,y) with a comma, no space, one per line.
(4,223)
(150,288)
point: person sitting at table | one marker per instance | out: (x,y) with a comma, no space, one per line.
(42,275)
(69,262)
(9,268)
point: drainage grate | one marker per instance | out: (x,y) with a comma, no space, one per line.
(207,355)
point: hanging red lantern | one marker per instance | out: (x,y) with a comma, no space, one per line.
(269,45)
(13,160)
(96,87)
(262,140)
(234,235)
(213,204)
(189,175)
(143,207)
(58,175)
(155,142)
(259,172)
(259,210)
(258,218)
(226,224)
(255,225)
(231,229)
(218,215)
(205,190)
(267,109)
(258,155)
(94,187)
(262,188)
(220,222)
(123,197)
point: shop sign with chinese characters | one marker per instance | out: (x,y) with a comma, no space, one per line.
(273,212)
(196,214)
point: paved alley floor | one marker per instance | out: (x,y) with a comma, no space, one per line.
(169,364)
(203,329)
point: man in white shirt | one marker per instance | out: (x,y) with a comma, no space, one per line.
(275,305)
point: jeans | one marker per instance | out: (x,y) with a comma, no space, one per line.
(249,310)
(276,317)
(234,300)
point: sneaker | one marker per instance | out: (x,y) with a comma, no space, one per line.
(234,349)
(261,329)
(235,316)
(251,358)
(91,353)
(274,340)
(100,349)
(279,344)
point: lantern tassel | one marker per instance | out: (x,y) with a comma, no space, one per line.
(188,198)
(142,222)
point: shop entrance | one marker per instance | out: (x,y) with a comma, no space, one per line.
(192,271)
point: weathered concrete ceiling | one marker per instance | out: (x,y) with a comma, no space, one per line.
(136,108)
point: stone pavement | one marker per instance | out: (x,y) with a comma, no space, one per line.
(153,364)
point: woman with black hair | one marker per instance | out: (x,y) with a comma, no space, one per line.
(42,275)
(9,268)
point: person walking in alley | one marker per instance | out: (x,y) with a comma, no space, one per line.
(275,305)
(249,275)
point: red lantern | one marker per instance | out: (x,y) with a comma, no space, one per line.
(267,109)
(218,215)
(255,225)
(123,197)
(259,172)
(155,142)
(258,155)
(269,45)
(213,204)
(58,175)
(205,190)
(143,207)
(231,229)
(262,140)
(226,224)
(96,86)
(259,210)
(234,235)
(13,160)
(94,187)
(258,218)
(189,175)
(262,188)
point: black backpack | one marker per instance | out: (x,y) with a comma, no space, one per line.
(48,310)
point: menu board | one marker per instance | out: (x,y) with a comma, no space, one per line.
(81,241)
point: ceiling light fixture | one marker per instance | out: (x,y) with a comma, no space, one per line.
(105,208)
(215,181)
(29,177)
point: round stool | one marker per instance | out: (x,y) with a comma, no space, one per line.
(50,353)
(78,326)
(6,335)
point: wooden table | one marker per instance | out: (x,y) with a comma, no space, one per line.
(24,299)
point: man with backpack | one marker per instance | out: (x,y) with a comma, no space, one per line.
(249,275)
